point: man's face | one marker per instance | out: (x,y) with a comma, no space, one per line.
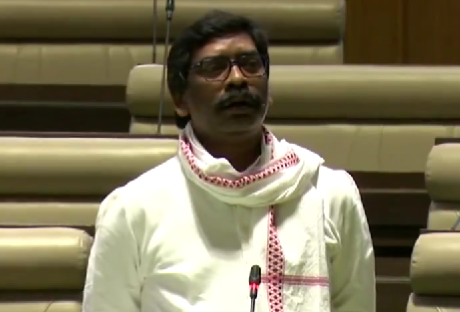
(227,91)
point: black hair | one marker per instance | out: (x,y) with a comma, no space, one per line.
(214,24)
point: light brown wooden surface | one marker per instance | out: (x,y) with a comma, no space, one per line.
(422,32)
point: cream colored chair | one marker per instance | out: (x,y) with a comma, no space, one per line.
(435,265)
(50,191)
(435,273)
(443,184)
(42,269)
(84,49)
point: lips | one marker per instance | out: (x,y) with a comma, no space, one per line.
(238,104)
(240,109)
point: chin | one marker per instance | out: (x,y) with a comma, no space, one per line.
(243,128)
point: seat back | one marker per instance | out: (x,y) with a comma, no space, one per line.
(78,50)
(435,272)
(443,183)
(50,191)
(435,269)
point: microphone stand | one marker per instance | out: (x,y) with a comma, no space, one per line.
(154,31)
(456,224)
(169,15)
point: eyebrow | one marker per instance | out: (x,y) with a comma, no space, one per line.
(239,54)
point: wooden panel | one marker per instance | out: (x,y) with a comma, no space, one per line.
(62,93)
(374,32)
(392,296)
(64,117)
(432,32)
(392,267)
(403,32)
(396,206)
(63,108)
(410,207)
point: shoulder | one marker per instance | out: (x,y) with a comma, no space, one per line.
(343,206)
(345,220)
(337,186)
(158,178)
(136,204)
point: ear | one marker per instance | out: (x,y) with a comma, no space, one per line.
(180,106)
(269,99)
(181,112)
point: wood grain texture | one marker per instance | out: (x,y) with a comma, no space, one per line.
(374,32)
(433,32)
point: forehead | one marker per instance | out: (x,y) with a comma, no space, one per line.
(229,45)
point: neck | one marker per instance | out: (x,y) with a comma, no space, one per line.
(241,151)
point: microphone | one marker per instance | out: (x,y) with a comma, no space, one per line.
(154,31)
(255,278)
(170,6)
(169,15)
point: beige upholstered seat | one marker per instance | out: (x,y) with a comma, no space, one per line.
(42,268)
(61,181)
(435,273)
(435,265)
(50,190)
(362,118)
(95,43)
(443,184)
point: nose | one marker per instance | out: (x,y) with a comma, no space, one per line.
(236,76)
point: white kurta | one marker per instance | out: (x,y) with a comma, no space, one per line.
(165,244)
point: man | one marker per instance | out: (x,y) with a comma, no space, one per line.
(183,236)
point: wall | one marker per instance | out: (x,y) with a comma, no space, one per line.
(415,32)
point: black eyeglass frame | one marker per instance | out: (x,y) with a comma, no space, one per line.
(232,62)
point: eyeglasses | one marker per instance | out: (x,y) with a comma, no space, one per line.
(218,68)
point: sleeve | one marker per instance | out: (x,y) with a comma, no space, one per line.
(353,267)
(112,282)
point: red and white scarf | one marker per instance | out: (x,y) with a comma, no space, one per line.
(283,172)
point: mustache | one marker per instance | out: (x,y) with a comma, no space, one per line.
(242,95)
